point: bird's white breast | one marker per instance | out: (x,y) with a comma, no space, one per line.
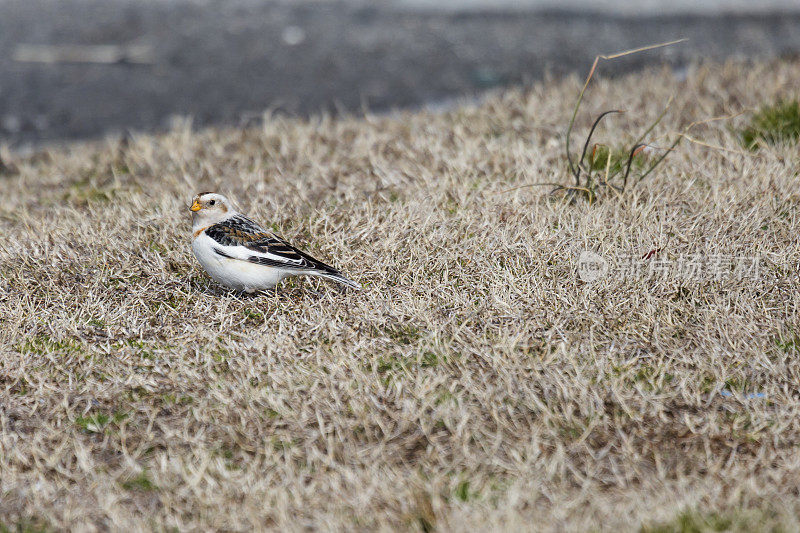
(234,273)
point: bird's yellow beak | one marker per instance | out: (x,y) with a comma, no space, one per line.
(195,206)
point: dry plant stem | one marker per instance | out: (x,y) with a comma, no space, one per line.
(661,158)
(656,122)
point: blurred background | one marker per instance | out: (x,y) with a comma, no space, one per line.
(86,68)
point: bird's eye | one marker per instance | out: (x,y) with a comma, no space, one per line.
(212,202)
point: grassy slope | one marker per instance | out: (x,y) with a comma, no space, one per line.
(474,382)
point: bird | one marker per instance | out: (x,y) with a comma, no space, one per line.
(240,254)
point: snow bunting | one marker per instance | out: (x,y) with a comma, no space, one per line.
(240,254)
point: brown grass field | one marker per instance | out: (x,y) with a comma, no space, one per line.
(477,382)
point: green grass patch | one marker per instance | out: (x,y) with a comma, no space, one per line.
(138,347)
(97,323)
(773,124)
(463,492)
(253,316)
(692,521)
(598,159)
(790,345)
(44,344)
(87,190)
(140,483)
(176,399)
(99,422)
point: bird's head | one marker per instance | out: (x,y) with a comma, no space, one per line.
(209,208)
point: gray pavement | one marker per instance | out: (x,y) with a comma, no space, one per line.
(612,7)
(83,68)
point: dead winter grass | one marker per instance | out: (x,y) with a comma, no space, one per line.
(475,383)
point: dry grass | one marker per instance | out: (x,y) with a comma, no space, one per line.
(476,382)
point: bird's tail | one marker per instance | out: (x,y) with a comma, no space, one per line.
(337,276)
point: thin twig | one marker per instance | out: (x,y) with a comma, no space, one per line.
(512,189)
(715,147)
(571,189)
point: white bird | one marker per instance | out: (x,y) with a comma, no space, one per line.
(240,254)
